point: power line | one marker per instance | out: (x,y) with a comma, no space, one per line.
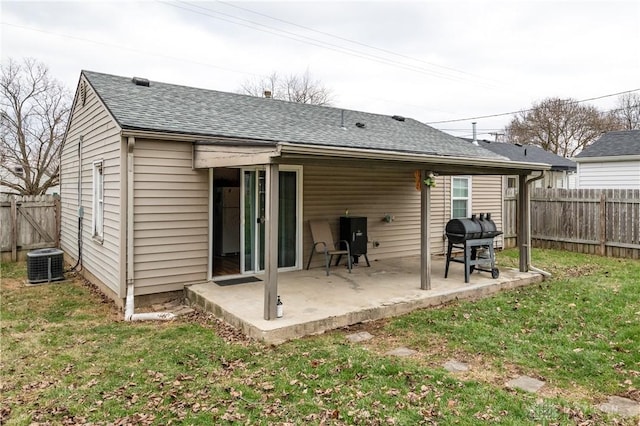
(309,40)
(390,52)
(528,110)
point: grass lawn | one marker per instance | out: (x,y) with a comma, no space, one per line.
(69,358)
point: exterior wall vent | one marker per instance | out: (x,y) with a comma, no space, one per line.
(45,265)
(140,81)
(83,93)
(398,118)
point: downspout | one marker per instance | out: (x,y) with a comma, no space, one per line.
(129,304)
(529,265)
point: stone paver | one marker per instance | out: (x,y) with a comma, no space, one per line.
(620,406)
(361,336)
(455,366)
(402,352)
(525,383)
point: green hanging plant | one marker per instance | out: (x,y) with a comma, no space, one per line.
(430,181)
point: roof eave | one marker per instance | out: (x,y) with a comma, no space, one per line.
(426,159)
(288,148)
(190,137)
(607,158)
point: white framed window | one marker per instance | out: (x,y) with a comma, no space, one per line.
(97,222)
(460,196)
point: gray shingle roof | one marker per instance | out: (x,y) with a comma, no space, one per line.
(529,153)
(613,144)
(171,108)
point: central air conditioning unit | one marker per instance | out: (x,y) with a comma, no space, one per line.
(45,265)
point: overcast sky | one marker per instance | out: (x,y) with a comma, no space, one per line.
(429,60)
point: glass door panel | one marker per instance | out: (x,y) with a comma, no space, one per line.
(254,206)
(250,219)
(288,219)
(262,185)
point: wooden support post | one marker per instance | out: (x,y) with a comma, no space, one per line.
(602,222)
(523,222)
(271,241)
(425,233)
(14,230)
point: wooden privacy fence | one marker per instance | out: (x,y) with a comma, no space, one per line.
(598,221)
(27,223)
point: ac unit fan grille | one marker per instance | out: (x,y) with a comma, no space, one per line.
(45,265)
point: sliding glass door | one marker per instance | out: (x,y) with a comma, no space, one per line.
(253,218)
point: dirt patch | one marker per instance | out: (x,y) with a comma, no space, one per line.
(12,283)
(576,271)
(633,394)
(226,332)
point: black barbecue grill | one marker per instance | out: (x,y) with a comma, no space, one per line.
(475,237)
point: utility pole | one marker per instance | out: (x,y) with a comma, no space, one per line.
(496,135)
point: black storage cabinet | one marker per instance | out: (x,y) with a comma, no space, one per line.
(354,230)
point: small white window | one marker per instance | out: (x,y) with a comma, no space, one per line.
(460,197)
(98,201)
(512,182)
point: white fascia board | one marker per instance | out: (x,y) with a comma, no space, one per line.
(607,159)
(372,154)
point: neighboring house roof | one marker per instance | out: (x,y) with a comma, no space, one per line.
(529,153)
(169,108)
(613,144)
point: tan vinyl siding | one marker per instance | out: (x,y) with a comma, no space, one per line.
(440,212)
(487,198)
(329,191)
(101,141)
(171,204)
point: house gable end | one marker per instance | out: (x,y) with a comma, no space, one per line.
(92,135)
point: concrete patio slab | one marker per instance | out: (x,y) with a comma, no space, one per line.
(315,303)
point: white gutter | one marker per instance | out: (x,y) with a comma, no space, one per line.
(129,314)
(373,154)
(528,207)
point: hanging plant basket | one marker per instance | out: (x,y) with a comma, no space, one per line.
(430,181)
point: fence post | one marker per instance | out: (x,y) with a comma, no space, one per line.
(602,220)
(14,230)
(58,209)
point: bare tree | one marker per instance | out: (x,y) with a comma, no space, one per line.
(627,112)
(258,87)
(293,88)
(561,126)
(33,119)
